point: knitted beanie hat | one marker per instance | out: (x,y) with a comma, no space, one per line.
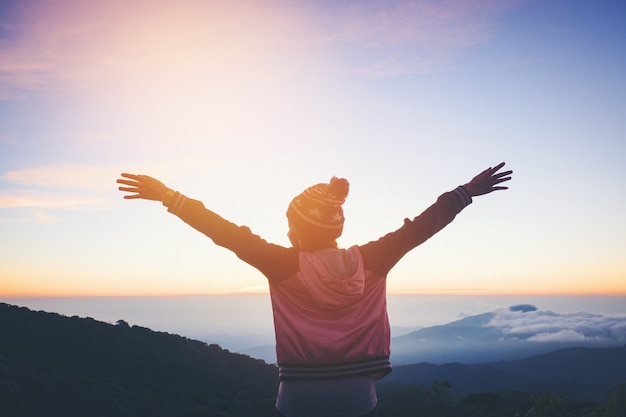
(318,208)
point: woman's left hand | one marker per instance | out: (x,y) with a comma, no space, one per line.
(488,180)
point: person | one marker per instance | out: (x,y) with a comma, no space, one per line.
(328,303)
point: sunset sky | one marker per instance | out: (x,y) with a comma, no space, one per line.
(243,104)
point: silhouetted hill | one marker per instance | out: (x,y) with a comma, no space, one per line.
(54,365)
(583,374)
(70,366)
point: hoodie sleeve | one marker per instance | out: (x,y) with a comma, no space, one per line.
(381,255)
(274,261)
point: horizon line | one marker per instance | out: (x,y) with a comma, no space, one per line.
(460,293)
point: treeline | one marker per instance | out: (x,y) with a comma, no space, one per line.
(397,399)
(68,366)
(52,365)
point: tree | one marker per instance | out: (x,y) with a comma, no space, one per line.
(549,404)
(616,403)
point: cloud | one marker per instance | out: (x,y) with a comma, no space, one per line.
(62,176)
(57,187)
(46,199)
(107,42)
(416,36)
(560,336)
(546,326)
(37,216)
(90,187)
(432,24)
(44,217)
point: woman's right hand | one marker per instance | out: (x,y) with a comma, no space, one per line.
(142,186)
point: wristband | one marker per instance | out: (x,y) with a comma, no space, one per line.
(167,198)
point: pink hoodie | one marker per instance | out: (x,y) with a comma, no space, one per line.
(331,318)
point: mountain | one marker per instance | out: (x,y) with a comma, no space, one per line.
(57,365)
(583,374)
(517,332)
(70,366)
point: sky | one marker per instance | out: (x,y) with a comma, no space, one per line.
(244,104)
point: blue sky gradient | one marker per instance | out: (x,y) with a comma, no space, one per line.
(243,106)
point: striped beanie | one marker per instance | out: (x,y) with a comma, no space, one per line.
(318,208)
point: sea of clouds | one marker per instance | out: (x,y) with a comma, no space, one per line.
(543,326)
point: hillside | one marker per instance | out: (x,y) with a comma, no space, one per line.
(56,365)
(580,374)
(70,366)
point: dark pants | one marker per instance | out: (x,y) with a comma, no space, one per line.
(373,413)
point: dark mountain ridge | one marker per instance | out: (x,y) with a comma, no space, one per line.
(56,365)
(581,374)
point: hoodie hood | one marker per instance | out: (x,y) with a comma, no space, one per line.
(333,277)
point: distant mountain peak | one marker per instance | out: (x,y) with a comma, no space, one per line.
(524,308)
(510,333)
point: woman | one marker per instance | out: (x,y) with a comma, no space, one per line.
(329,304)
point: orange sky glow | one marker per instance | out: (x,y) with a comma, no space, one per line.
(244,104)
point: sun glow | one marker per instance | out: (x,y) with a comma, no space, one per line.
(243,104)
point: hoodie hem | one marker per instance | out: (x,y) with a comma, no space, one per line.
(302,372)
